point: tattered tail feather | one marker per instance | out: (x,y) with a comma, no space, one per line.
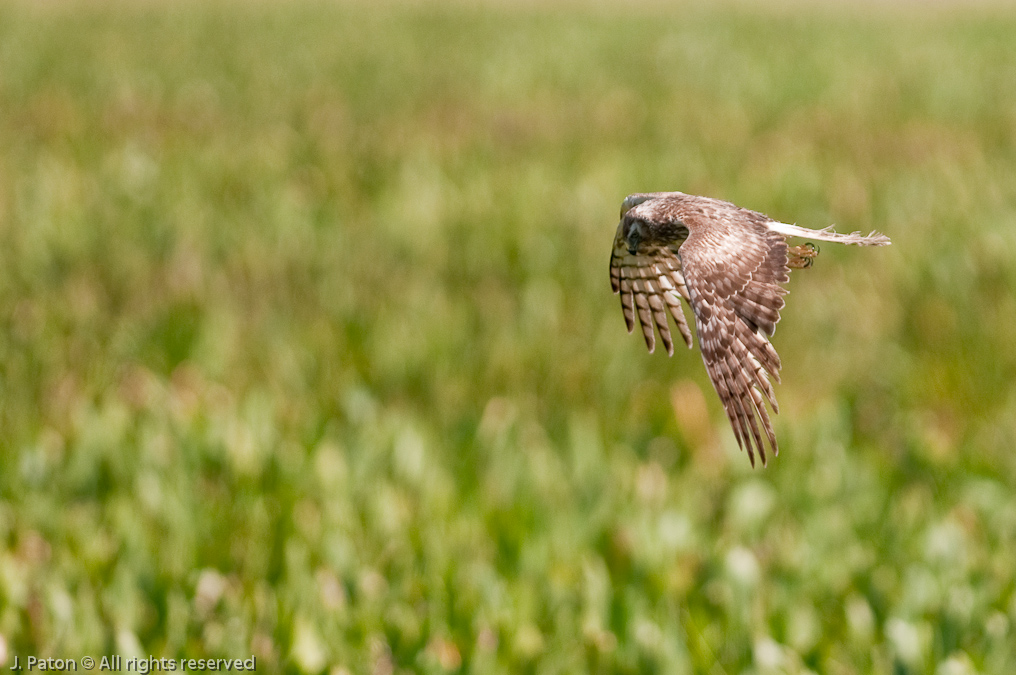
(827,234)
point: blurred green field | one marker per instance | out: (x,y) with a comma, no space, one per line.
(308,350)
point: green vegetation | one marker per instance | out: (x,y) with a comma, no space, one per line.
(308,349)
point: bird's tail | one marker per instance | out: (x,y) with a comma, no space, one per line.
(827,234)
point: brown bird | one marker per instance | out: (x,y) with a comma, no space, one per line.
(728,264)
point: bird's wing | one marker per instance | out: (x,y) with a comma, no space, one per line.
(651,283)
(733,270)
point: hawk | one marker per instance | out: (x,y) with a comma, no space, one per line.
(728,264)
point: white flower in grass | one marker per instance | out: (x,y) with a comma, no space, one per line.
(958,663)
(906,639)
(769,655)
(742,566)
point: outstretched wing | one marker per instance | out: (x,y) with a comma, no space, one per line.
(733,275)
(651,283)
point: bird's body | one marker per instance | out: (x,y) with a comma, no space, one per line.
(729,265)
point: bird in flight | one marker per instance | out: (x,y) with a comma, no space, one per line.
(728,264)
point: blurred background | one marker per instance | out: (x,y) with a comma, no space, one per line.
(308,349)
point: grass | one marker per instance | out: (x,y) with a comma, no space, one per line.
(308,350)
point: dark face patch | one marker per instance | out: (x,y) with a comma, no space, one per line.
(634,231)
(629,222)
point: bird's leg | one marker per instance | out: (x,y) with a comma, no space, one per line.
(803,256)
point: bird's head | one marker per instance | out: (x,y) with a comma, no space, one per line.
(654,217)
(634,230)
